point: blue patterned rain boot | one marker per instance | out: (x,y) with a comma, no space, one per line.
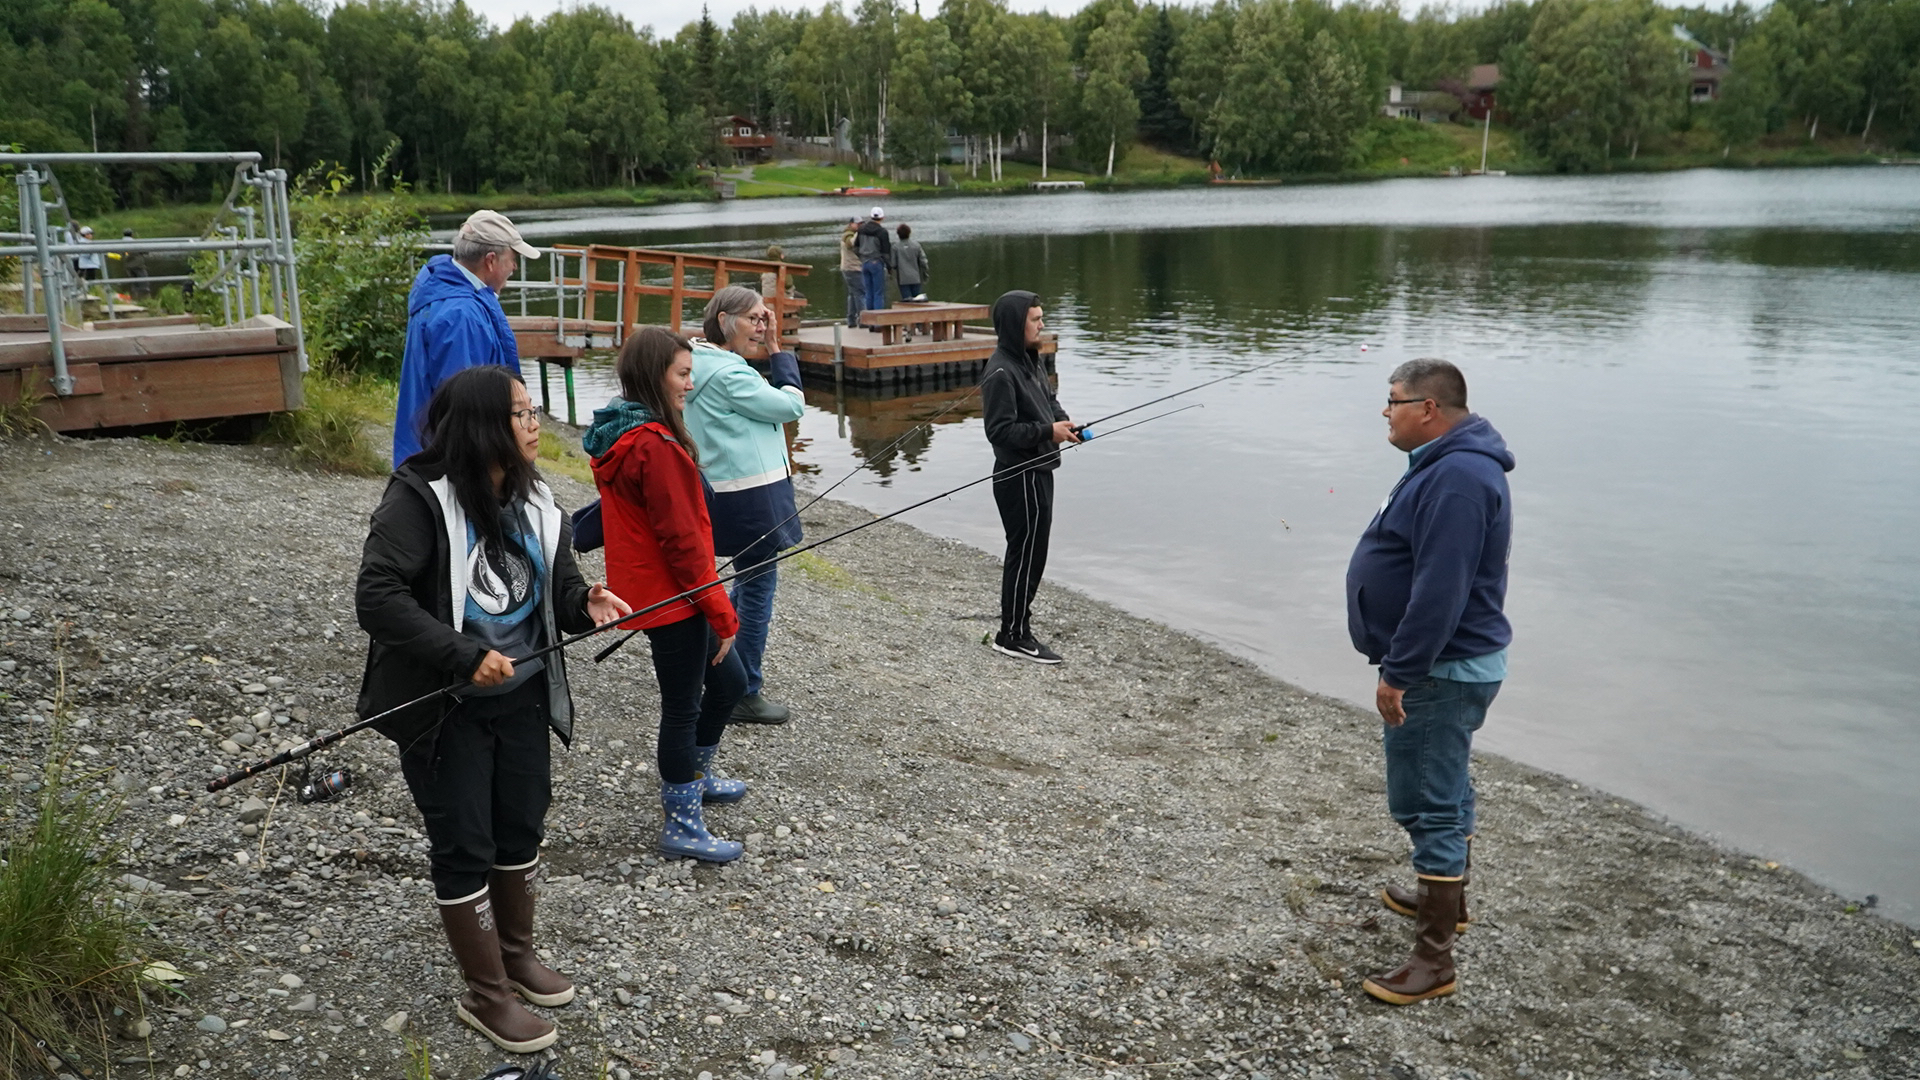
(716,788)
(685,835)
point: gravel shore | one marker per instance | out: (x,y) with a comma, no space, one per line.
(1151,861)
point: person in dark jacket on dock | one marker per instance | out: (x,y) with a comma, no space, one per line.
(454,318)
(660,545)
(1026,426)
(909,264)
(1425,593)
(875,249)
(467,564)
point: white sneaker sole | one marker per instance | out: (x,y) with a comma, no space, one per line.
(1018,655)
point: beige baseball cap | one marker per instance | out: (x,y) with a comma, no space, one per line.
(490,227)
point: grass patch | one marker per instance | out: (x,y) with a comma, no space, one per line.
(558,455)
(340,428)
(67,950)
(818,567)
(1391,147)
(816,180)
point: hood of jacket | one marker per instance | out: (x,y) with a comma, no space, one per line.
(1470,436)
(616,419)
(441,279)
(1010,323)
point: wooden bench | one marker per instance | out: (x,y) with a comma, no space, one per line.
(943,320)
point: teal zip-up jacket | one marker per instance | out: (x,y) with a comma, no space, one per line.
(735,417)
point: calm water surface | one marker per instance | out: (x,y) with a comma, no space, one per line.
(1711,381)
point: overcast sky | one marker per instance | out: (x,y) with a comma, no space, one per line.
(668,16)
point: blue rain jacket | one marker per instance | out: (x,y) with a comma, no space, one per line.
(451,325)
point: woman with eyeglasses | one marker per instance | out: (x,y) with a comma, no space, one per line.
(467,566)
(739,419)
(659,550)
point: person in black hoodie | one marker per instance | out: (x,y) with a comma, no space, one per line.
(1026,426)
(468,563)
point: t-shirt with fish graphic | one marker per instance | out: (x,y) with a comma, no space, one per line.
(503,596)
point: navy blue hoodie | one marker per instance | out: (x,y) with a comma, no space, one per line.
(1429,577)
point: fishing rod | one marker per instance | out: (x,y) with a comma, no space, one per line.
(1177,393)
(326,739)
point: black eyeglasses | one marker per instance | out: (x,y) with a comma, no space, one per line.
(526,418)
(1392,401)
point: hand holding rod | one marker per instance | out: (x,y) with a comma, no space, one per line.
(1077,428)
(322,741)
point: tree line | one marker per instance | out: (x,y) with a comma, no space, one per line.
(583,98)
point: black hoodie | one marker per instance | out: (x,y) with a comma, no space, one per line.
(1020,407)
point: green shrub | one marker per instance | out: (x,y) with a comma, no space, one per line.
(171,300)
(66,950)
(357,258)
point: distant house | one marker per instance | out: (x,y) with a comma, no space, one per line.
(745,138)
(1706,67)
(1482,81)
(1430,106)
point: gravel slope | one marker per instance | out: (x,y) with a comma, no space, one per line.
(1152,861)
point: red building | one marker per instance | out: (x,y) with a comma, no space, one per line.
(1481,84)
(745,139)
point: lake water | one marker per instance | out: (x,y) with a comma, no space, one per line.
(1711,381)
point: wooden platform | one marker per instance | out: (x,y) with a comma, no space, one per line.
(136,372)
(868,360)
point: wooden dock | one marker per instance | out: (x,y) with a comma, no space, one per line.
(132,373)
(885,352)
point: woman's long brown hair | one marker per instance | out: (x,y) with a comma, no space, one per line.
(642,368)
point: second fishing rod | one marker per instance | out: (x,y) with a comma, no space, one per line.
(322,741)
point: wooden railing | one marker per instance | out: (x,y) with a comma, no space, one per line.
(623,272)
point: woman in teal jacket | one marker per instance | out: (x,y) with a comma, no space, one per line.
(738,419)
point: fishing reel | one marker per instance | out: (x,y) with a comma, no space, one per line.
(325,787)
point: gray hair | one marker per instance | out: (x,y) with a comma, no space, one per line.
(732,300)
(1430,377)
(467,250)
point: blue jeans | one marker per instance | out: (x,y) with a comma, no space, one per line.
(856,295)
(874,274)
(753,602)
(696,697)
(1429,791)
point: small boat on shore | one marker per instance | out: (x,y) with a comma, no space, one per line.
(866,191)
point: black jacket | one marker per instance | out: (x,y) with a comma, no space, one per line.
(1014,393)
(877,239)
(405,602)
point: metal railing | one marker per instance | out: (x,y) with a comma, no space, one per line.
(255,265)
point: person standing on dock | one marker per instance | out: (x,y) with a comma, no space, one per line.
(909,265)
(1425,593)
(1025,425)
(454,318)
(852,274)
(739,422)
(875,249)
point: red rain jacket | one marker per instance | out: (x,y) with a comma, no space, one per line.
(659,538)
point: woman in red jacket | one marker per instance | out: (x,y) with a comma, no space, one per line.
(660,544)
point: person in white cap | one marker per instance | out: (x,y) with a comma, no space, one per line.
(875,249)
(454,318)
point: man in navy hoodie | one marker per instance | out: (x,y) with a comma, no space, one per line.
(454,319)
(1424,596)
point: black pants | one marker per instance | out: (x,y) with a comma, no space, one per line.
(1026,512)
(696,697)
(483,787)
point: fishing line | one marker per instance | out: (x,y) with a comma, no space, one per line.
(320,742)
(1164,397)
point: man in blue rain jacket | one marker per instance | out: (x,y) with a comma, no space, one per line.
(454,319)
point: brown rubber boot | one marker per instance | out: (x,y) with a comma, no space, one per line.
(489,1006)
(1406,901)
(1428,973)
(513,895)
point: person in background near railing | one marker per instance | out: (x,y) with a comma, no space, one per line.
(467,565)
(739,421)
(851,273)
(769,281)
(909,265)
(134,265)
(659,546)
(454,318)
(875,249)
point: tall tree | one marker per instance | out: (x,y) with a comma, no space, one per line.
(928,92)
(1114,64)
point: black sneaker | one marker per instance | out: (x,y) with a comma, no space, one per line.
(754,709)
(1027,649)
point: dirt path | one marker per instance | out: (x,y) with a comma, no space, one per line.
(1151,861)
